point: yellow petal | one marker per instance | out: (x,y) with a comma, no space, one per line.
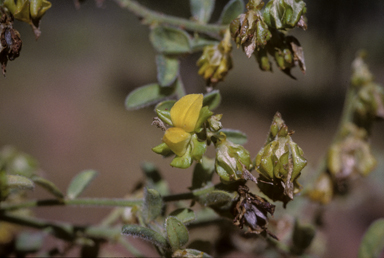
(186,111)
(177,140)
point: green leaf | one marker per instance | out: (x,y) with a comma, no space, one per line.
(80,182)
(145,234)
(19,182)
(202,9)
(372,245)
(217,198)
(235,136)
(205,113)
(167,69)
(29,242)
(169,40)
(190,253)
(212,99)
(177,233)
(48,185)
(203,172)
(184,215)
(163,111)
(147,95)
(153,204)
(231,10)
(198,148)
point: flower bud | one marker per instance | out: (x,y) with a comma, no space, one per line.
(216,61)
(280,163)
(231,160)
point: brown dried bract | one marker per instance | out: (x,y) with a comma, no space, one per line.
(10,41)
(252,211)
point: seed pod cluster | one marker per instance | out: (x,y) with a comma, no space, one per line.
(280,163)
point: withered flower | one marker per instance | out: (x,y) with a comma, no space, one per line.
(10,42)
(252,211)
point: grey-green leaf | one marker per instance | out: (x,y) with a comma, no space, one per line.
(48,185)
(203,172)
(217,198)
(202,9)
(29,242)
(231,10)
(145,234)
(235,136)
(167,69)
(147,95)
(169,40)
(177,233)
(152,205)
(19,182)
(80,182)
(184,215)
(163,111)
(372,245)
(212,99)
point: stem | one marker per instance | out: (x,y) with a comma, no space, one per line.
(150,17)
(65,202)
(69,232)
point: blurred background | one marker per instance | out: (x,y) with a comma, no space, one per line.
(62,101)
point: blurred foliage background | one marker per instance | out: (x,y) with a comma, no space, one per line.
(62,101)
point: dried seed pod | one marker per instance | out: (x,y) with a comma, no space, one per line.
(252,211)
(10,41)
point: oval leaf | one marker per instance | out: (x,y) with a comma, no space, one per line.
(202,9)
(147,95)
(184,215)
(373,241)
(163,111)
(152,205)
(212,99)
(216,198)
(145,234)
(19,182)
(235,136)
(49,186)
(169,40)
(80,182)
(177,233)
(167,70)
(231,10)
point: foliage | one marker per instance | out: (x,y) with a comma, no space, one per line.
(249,183)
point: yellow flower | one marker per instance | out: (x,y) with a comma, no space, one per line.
(184,115)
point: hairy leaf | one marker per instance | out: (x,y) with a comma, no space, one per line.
(169,40)
(177,233)
(231,10)
(80,182)
(184,215)
(145,234)
(167,69)
(152,205)
(147,95)
(202,9)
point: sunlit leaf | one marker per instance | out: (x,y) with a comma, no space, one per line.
(147,95)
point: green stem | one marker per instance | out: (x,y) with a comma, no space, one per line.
(65,202)
(69,232)
(150,17)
